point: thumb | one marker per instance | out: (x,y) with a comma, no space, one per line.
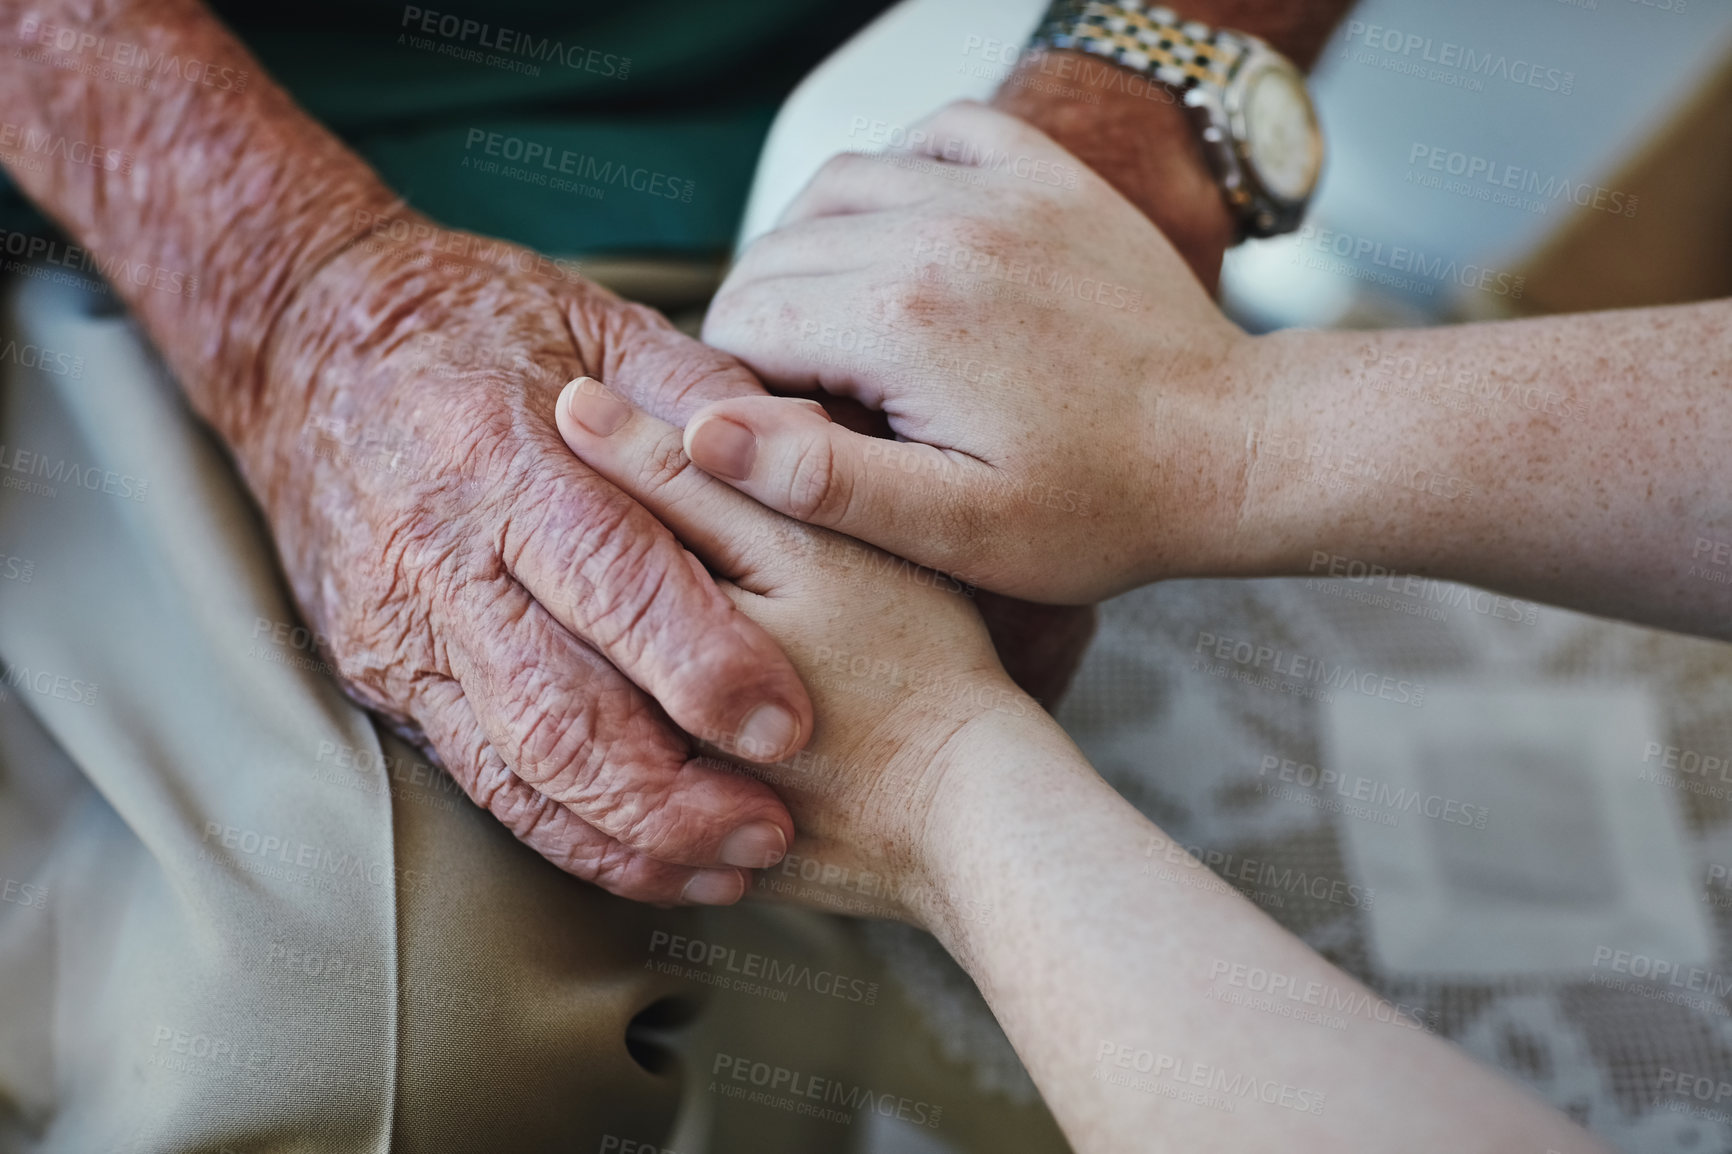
(920,502)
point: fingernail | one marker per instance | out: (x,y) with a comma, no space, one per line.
(724,448)
(590,404)
(768,732)
(756,846)
(813,405)
(714,888)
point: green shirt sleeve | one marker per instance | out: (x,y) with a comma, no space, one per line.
(570,127)
(574,127)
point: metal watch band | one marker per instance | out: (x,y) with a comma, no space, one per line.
(1151,40)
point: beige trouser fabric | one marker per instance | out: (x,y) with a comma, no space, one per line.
(237,917)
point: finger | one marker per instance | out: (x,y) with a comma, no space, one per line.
(854,182)
(880,491)
(613,575)
(665,371)
(924,503)
(570,726)
(734,535)
(841,337)
(972,134)
(551,829)
(823,246)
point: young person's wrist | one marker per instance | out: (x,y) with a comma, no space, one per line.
(992,768)
(1338,474)
(1189,491)
(1266,434)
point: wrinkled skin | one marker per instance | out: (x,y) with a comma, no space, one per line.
(483,590)
(470,581)
(475,583)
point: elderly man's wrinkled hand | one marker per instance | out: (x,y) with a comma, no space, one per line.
(541,633)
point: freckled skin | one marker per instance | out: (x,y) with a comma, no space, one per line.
(1059,382)
(1604,508)
(1589,474)
(937,794)
(1586,468)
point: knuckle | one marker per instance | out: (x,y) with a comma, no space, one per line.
(619,805)
(770,249)
(570,753)
(715,376)
(818,491)
(628,573)
(615,868)
(725,318)
(534,818)
(627,320)
(958,111)
(973,233)
(664,370)
(908,304)
(664,465)
(746,319)
(557,744)
(595,530)
(541,823)
(639,826)
(666,366)
(697,379)
(890,303)
(491,789)
(843,168)
(971,120)
(752,321)
(784,539)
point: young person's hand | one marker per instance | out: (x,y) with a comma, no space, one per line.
(935,792)
(1066,394)
(899,665)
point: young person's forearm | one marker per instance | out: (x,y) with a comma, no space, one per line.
(1577,460)
(210,186)
(1105,950)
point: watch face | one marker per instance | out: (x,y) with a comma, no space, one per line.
(1282,142)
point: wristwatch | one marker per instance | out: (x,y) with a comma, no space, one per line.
(1258,126)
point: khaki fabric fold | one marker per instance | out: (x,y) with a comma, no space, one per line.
(238,917)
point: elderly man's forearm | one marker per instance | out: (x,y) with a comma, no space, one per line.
(1140,137)
(230,188)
